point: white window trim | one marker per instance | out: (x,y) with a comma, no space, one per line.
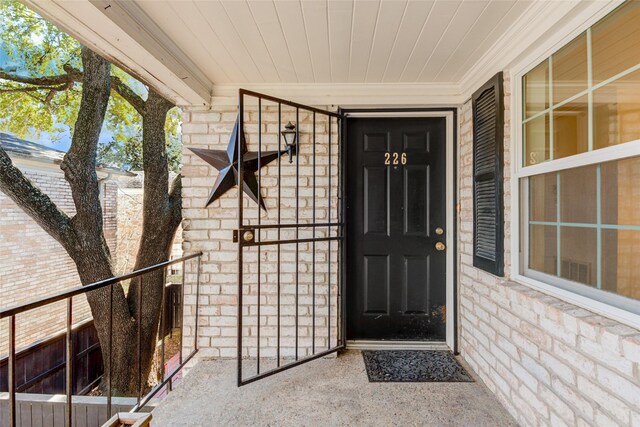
(601,302)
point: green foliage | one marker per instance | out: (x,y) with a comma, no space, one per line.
(124,150)
(36,48)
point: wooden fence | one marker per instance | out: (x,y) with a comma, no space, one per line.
(40,368)
(42,410)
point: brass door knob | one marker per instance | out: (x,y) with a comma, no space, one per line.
(439,231)
(440,246)
(248,236)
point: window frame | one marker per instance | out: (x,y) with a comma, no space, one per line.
(614,306)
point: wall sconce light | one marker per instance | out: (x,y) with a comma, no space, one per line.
(289,134)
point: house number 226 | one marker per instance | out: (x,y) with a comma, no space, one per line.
(395,158)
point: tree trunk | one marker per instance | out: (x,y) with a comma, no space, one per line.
(160,218)
(120,324)
(89,248)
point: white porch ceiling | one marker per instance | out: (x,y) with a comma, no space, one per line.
(318,41)
(348,52)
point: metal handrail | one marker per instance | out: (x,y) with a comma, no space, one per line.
(167,380)
(12,311)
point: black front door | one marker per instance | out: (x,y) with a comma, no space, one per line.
(396,212)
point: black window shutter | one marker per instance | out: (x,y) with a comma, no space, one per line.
(488,200)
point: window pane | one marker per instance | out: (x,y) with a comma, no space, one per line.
(536,89)
(571,128)
(543,248)
(569,69)
(578,254)
(578,195)
(536,133)
(620,262)
(616,111)
(543,197)
(615,42)
(620,182)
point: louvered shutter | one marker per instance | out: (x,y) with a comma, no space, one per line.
(488,137)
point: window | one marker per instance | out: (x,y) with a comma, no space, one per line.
(579,177)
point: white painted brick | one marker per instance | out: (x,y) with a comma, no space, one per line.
(631,348)
(613,405)
(573,397)
(564,411)
(558,368)
(541,407)
(619,385)
(605,356)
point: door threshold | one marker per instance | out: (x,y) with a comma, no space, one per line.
(397,345)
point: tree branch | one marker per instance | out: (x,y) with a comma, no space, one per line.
(65,81)
(33,201)
(44,80)
(35,89)
(128,95)
(79,164)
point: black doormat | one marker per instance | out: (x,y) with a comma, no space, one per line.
(413,366)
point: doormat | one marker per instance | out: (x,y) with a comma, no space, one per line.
(413,366)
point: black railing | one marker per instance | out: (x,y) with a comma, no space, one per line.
(166,377)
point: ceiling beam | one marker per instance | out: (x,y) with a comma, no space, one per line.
(351,94)
(119,32)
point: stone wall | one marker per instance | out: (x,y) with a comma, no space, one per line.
(33,265)
(210,230)
(547,361)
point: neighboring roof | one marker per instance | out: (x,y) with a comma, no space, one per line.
(38,152)
(25,148)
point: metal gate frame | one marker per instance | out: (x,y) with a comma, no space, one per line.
(253,238)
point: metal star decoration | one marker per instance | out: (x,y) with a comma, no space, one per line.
(226,162)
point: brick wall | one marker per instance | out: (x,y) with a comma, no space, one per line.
(129,226)
(33,265)
(547,361)
(210,230)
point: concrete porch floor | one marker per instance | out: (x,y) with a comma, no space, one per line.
(324,392)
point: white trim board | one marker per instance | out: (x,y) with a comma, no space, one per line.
(397,345)
(351,95)
(450,184)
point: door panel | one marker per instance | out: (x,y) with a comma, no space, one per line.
(376,142)
(416,298)
(376,193)
(376,284)
(396,284)
(416,200)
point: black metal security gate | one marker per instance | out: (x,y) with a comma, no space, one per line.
(290,292)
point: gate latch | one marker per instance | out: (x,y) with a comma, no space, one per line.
(248,236)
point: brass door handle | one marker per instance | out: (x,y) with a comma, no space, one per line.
(248,236)
(440,246)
